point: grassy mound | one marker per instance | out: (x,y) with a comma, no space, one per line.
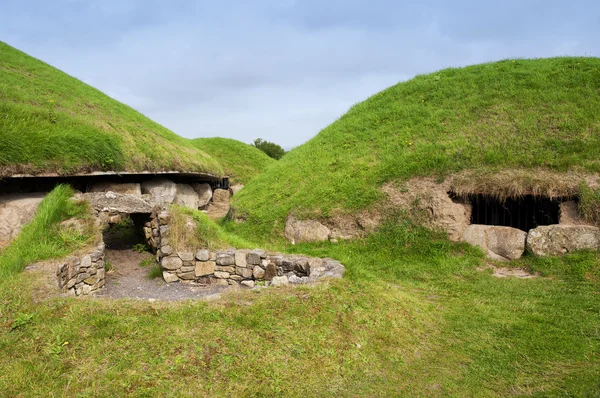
(523,115)
(51,122)
(240,161)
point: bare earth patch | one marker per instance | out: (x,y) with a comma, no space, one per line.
(505,272)
(128,279)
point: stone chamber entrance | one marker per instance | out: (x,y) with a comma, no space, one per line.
(524,213)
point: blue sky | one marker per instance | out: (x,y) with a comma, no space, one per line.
(281,70)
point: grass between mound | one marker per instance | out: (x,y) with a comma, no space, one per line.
(516,114)
(44,238)
(240,161)
(413,317)
(51,122)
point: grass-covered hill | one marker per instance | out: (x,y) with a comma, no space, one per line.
(539,114)
(51,122)
(240,161)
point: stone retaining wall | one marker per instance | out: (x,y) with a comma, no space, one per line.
(234,267)
(83,275)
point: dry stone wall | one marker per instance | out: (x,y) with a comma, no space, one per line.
(234,267)
(83,275)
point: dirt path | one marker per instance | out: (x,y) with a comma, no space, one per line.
(128,279)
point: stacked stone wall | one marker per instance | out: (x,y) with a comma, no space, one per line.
(233,267)
(82,275)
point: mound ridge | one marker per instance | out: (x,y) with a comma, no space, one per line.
(51,122)
(240,161)
(526,115)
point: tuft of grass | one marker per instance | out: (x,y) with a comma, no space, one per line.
(43,238)
(155,271)
(192,229)
(240,161)
(52,122)
(589,203)
(531,115)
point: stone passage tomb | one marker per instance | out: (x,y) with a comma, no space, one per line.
(234,267)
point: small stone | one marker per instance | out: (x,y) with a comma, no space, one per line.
(91,280)
(229,269)
(213,256)
(225,259)
(245,272)
(232,282)
(71,283)
(82,277)
(186,256)
(187,276)
(204,268)
(187,269)
(253,258)
(240,258)
(85,290)
(101,273)
(294,279)
(171,263)
(114,219)
(169,277)
(271,272)
(78,291)
(147,232)
(222,275)
(280,281)
(236,278)
(164,217)
(249,284)
(86,262)
(164,230)
(202,255)
(221,282)
(166,250)
(258,273)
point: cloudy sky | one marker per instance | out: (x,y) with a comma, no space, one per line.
(280,69)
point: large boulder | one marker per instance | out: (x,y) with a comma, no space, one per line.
(204,192)
(555,240)
(118,203)
(124,188)
(161,190)
(16,210)
(297,231)
(186,196)
(499,243)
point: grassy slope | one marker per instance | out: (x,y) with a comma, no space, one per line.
(240,161)
(51,122)
(510,114)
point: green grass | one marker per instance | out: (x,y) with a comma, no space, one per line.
(524,114)
(51,122)
(43,238)
(240,161)
(413,317)
(207,234)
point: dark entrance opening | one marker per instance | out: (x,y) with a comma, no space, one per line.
(127,234)
(524,213)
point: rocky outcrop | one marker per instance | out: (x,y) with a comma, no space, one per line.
(499,243)
(186,196)
(16,210)
(220,206)
(161,190)
(298,231)
(428,201)
(124,188)
(112,202)
(555,240)
(204,192)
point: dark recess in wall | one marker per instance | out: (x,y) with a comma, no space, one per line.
(524,213)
